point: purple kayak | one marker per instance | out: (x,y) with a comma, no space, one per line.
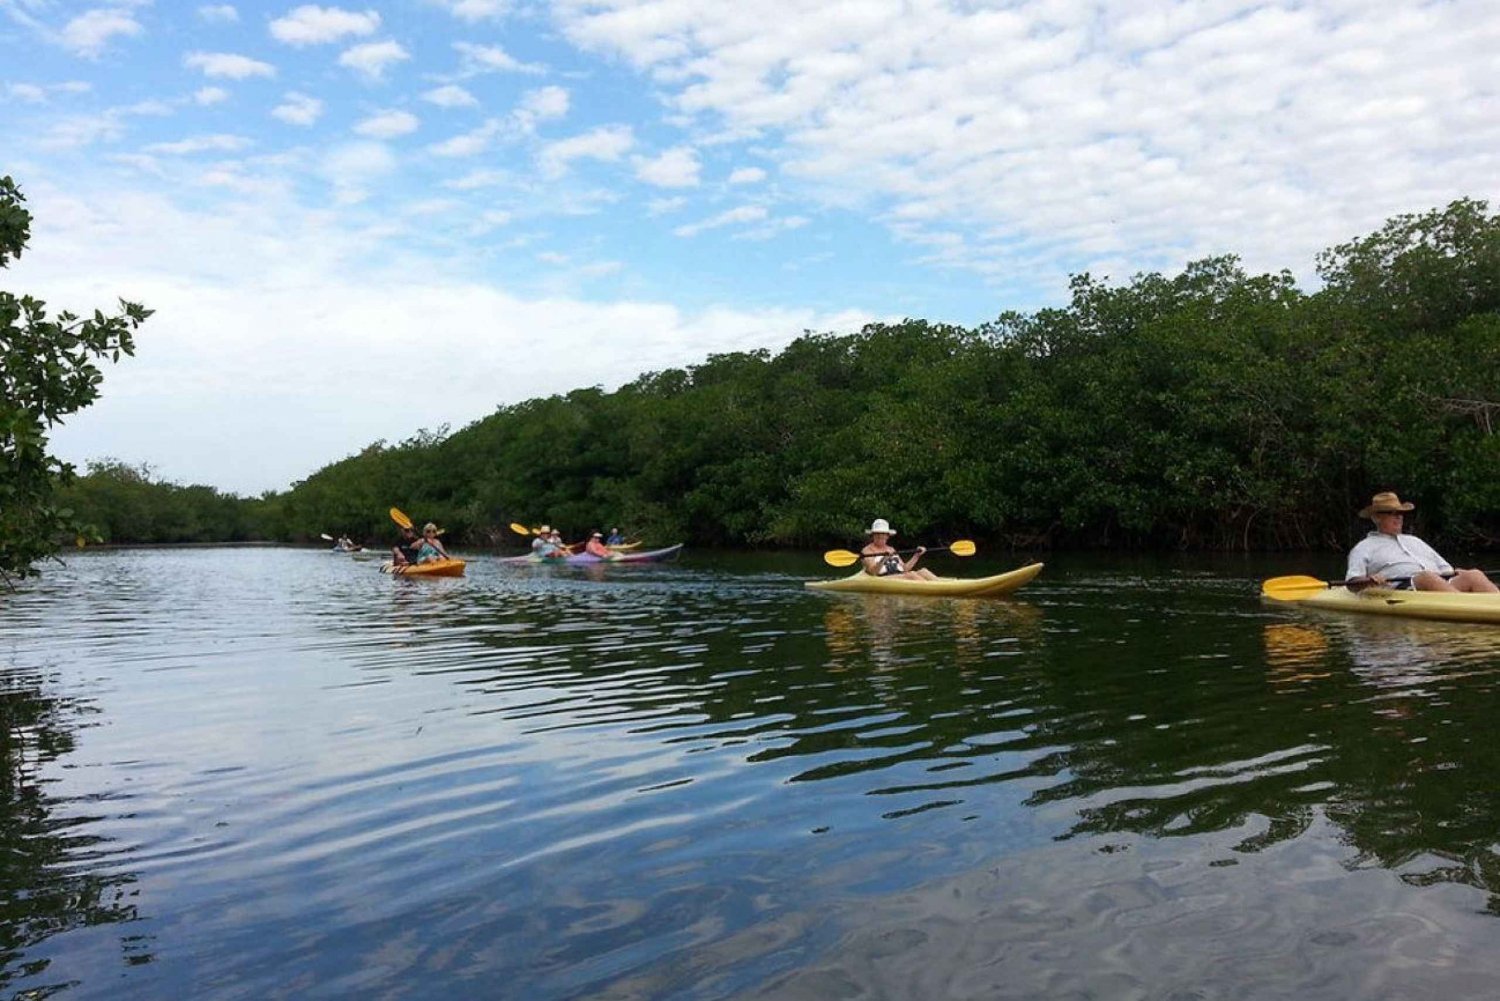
(649,556)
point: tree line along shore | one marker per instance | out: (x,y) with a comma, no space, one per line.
(1210,409)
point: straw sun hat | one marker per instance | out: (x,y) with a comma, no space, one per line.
(1385,502)
(880,527)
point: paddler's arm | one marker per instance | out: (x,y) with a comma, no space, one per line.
(914,557)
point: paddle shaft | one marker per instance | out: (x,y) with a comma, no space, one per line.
(844,557)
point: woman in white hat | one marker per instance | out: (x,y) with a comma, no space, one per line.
(882,560)
(1387,554)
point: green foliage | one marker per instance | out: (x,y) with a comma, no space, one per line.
(119,503)
(47,372)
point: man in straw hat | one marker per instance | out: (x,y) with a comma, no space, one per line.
(1386,555)
(881,560)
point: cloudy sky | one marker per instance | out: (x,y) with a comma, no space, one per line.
(355,222)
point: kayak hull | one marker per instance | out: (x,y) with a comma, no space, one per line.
(437,568)
(952,587)
(588,559)
(1444,606)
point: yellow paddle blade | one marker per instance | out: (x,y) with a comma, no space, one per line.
(963,547)
(519,528)
(1293,588)
(840,558)
(400,518)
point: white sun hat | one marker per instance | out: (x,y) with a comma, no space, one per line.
(880,527)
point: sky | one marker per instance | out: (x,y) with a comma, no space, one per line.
(359,222)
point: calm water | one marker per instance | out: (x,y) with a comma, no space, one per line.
(252,773)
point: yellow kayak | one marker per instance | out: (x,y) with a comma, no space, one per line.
(437,568)
(1448,606)
(952,587)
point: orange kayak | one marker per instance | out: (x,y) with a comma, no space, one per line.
(437,568)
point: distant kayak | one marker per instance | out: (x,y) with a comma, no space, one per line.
(437,568)
(584,559)
(952,587)
(1447,606)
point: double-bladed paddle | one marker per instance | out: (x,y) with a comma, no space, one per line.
(1298,587)
(845,558)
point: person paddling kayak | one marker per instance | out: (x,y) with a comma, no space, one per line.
(596,547)
(881,560)
(430,549)
(405,551)
(1388,553)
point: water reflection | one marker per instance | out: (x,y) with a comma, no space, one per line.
(49,888)
(877,626)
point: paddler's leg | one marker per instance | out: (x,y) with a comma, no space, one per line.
(1473,581)
(1430,580)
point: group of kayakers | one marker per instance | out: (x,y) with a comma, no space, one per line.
(1385,557)
(549,544)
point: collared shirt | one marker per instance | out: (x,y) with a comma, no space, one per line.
(1393,556)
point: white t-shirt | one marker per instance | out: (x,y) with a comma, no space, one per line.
(1393,556)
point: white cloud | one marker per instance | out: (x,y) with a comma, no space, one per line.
(200,144)
(388,125)
(450,96)
(747,175)
(540,105)
(35,93)
(89,32)
(228,65)
(372,58)
(477,10)
(1052,135)
(490,59)
(298,109)
(78,131)
(732,217)
(607,143)
(475,179)
(469,143)
(219,13)
(663,206)
(674,168)
(352,168)
(314,25)
(342,303)
(210,95)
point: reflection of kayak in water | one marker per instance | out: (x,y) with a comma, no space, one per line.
(1449,606)
(575,559)
(953,587)
(437,568)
